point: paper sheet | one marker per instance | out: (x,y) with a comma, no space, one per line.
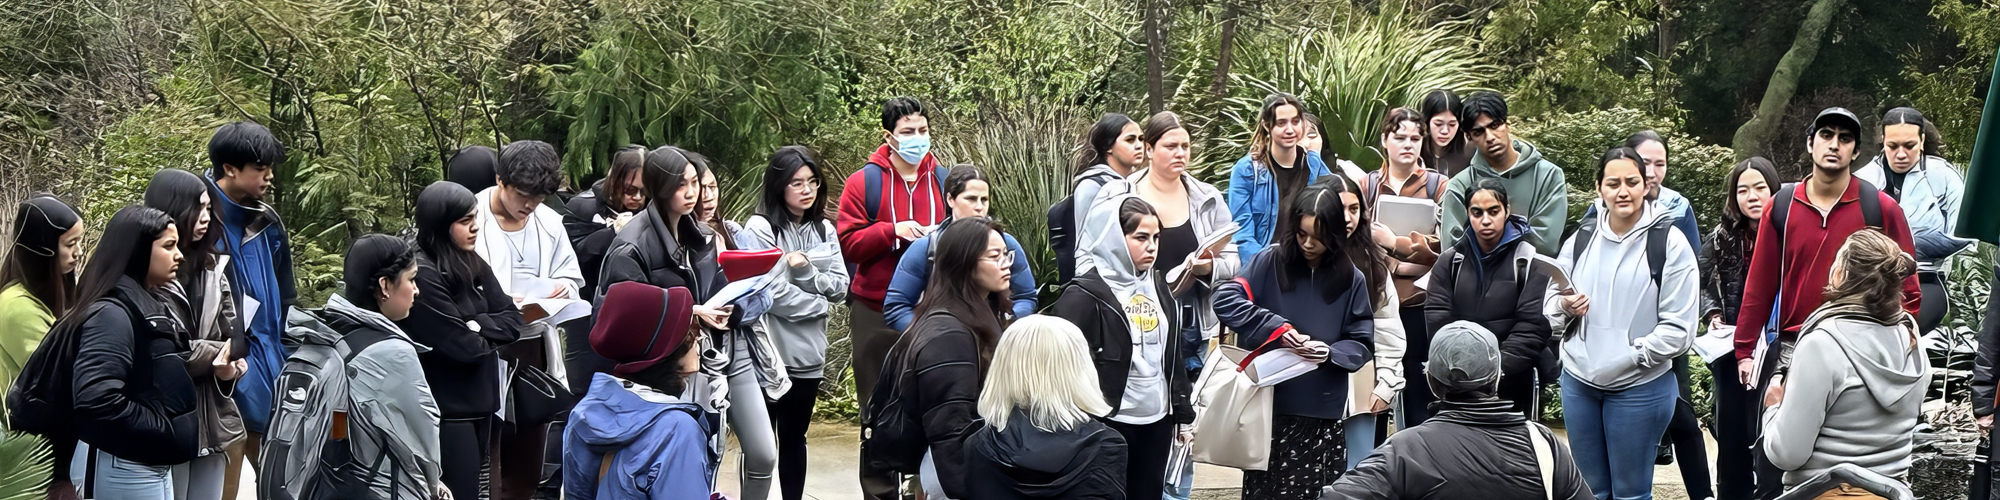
(1548,267)
(554,311)
(1278,365)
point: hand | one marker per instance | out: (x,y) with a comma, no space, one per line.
(714,317)
(1201,265)
(1379,406)
(1745,372)
(619,223)
(909,230)
(1576,305)
(1715,322)
(561,292)
(441,492)
(229,370)
(1313,351)
(797,260)
(1775,394)
(1381,234)
(1986,423)
(62,490)
(1184,433)
(1294,339)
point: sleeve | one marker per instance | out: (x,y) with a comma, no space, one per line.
(947,390)
(1551,213)
(1438,294)
(281,263)
(912,273)
(1673,332)
(684,467)
(579,466)
(861,240)
(1689,227)
(1253,324)
(565,269)
(232,325)
(1988,354)
(1390,342)
(1379,477)
(1226,264)
(621,264)
(1760,289)
(1937,243)
(1791,427)
(389,396)
(1076,306)
(104,364)
(202,355)
(1023,279)
(1451,210)
(1356,345)
(27,324)
(1523,348)
(1240,180)
(1898,227)
(436,321)
(1711,284)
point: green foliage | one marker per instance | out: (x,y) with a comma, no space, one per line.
(1574,141)
(1572,55)
(25,475)
(1946,94)
(1968,282)
(1025,151)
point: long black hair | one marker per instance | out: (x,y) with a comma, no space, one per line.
(1733,218)
(1322,202)
(703,168)
(439,206)
(954,256)
(629,159)
(178,193)
(1359,245)
(1096,145)
(34,260)
(665,171)
(1933,143)
(126,251)
(784,164)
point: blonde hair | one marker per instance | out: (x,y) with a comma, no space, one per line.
(1043,367)
(1873,268)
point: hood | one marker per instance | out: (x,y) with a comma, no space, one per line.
(614,416)
(1529,156)
(1650,214)
(1882,355)
(344,316)
(1045,464)
(882,156)
(1516,230)
(1103,243)
(1096,171)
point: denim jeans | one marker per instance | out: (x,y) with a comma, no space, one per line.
(1360,431)
(1615,435)
(121,479)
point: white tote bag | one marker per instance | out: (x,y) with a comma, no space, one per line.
(1232,414)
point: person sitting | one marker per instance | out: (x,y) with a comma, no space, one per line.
(632,436)
(1040,439)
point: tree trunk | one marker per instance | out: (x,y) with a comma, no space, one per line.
(1156,55)
(1225,52)
(1750,138)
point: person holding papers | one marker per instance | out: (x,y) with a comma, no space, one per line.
(1413,192)
(1131,322)
(969,195)
(1377,385)
(1306,294)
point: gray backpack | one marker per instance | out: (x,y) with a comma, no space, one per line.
(301,460)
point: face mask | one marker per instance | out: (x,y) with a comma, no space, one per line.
(913,148)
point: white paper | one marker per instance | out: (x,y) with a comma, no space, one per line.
(1405,215)
(737,290)
(1177,460)
(1715,344)
(559,310)
(1278,365)
(1548,267)
(250,307)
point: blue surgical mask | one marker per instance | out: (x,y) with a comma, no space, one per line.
(913,148)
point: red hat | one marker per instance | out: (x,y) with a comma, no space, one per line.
(638,325)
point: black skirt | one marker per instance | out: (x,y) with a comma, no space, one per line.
(1306,454)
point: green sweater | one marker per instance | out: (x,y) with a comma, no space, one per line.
(1535,189)
(23,322)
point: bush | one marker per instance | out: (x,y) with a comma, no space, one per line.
(1574,141)
(1025,150)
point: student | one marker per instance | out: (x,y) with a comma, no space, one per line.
(199,297)
(1403,174)
(1472,445)
(1929,190)
(1366,238)
(1315,143)
(465,316)
(1276,169)
(1040,438)
(873,237)
(791,216)
(594,218)
(473,167)
(969,194)
(664,247)
(1855,389)
(1725,262)
(1617,394)
(958,325)
(1108,152)
(242,160)
(391,410)
(38,285)
(135,403)
(755,373)
(1447,151)
(1486,279)
(1306,294)
(1534,183)
(634,436)
(1131,322)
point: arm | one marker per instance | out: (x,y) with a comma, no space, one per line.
(684,462)
(1022,280)
(912,273)
(1240,179)
(100,377)
(828,276)
(1390,342)
(1937,243)
(1760,289)
(621,264)
(501,321)
(1252,323)
(1076,306)
(565,267)
(861,240)
(435,321)
(389,392)
(1523,347)
(1224,265)
(947,390)
(281,263)
(1356,345)
(1673,332)
(1689,228)
(1711,283)
(1791,427)
(1438,295)
(1379,477)
(1451,210)
(1551,300)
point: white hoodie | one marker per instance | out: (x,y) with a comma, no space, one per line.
(1146,393)
(1634,329)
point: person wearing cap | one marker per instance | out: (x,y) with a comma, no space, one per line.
(1476,446)
(633,436)
(1929,190)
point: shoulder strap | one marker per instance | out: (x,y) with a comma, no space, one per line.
(1433,181)
(871,177)
(1544,460)
(1656,250)
(1781,209)
(359,340)
(1368,186)
(1871,205)
(1585,233)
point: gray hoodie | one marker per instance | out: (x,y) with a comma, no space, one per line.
(1146,399)
(799,305)
(387,392)
(1085,190)
(1634,329)
(1854,393)
(1535,189)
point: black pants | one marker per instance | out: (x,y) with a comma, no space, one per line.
(792,414)
(1735,433)
(1147,448)
(1770,479)
(463,445)
(1417,397)
(871,337)
(1936,301)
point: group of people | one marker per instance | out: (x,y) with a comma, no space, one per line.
(524,342)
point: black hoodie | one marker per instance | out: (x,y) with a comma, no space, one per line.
(1086,463)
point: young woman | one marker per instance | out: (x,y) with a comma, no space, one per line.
(595,216)
(1725,263)
(1403,174)
(200,298)
(464,316)
(38,285)
(1190,212)
(1131,322)
(969,194)
(1618,394)
(1108,152)
(1930,191)
(636,435)
(958,325)
(755,373)
(1445,151)
(390,395)
(135,403)
(1306,294)
(1276,169)
(1487,279)
(1363,427)
(1858,376)
(1040,439)
(791,216)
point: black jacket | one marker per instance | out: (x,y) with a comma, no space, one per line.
(134,398)
(1346,324)
(1089,303)
(647,251)
(1989,353)
(945,368)
(1725,264)
(1474,450)
(590,238)
(463,365)
(1086,463)
(1491,291)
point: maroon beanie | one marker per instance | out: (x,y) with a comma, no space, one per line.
(638,325)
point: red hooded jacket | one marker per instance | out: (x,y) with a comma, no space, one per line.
(1812,240)
(871,245)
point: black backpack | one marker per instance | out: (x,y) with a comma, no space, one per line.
(892,434)
(1781,207)
(1062,237)
(42,400)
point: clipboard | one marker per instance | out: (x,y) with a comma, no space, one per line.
(1405,215)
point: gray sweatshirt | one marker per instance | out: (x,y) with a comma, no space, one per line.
(799,305)
(1634,329)
(1853,395)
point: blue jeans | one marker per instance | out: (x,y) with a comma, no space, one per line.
(121,479)
(1360,438)
(1615,435)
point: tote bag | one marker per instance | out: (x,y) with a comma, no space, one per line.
(1232,414)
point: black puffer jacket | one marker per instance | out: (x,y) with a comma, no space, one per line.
(649,252)
(134,398)
(1489,290)
(1725,263)
(1470,450)
(590,238)
(1086,463)
(1090,304)
(464,320)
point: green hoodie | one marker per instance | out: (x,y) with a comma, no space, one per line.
(1535,189)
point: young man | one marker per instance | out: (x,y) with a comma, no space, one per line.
(1824,210)
(1535,187)
(242,158)
(908,202)
(529,251)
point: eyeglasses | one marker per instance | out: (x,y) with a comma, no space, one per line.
(1002,259)
(808,184)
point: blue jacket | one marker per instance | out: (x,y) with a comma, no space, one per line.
(661,450)
(913,272)
(1345,323)
(260,269)
(1253,200)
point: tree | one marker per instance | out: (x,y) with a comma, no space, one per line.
(1751,137)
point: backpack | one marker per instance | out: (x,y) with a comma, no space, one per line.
(892,434)
(872,180)
(1062,237)
(1781,207)
(42,400)
(300,459)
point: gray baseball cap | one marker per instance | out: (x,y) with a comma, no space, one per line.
(1464,356)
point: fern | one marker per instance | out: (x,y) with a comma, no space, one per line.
(24,466)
